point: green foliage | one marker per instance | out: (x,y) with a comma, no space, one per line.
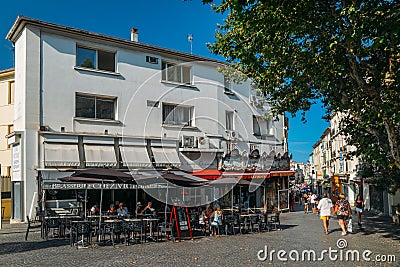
(343,52)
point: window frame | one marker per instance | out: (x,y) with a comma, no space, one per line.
(97,59)
(256,122)
(11,92)
(169,65)
(96,112)
(229,120)
(190,122)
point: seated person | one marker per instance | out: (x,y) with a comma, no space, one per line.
(149,210)
(112,211)
(95,210)
(122,211)
(139,209)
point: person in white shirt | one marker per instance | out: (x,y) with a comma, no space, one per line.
(325,206)
(313,198)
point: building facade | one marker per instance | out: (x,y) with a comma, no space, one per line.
(7,83)
(89,100)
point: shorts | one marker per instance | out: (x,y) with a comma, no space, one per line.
(325,217)
(313,205)
(359,210)
(343,217)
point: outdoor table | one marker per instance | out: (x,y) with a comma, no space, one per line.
(150,222)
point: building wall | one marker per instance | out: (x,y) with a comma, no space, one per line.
(7,89)
(47,81)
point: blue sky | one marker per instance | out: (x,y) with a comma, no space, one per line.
(160,22)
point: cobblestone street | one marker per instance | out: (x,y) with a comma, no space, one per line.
(299,232)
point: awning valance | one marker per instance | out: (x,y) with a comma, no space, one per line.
(135,156)
(97,155)
(61,155)
(166,156)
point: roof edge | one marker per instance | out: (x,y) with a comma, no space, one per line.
(22,21)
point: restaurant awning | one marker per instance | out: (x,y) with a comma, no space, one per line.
(100,155)
(135,156)
(165,156)
(61,155)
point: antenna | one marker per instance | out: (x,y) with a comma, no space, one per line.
(190,40)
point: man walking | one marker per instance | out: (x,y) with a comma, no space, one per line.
(325,206)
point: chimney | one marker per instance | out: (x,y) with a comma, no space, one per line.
(134,35)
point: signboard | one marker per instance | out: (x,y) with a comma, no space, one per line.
(16,163)
(68,186)
(283,199)
(180,217)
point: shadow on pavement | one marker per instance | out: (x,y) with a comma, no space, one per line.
(18,247)
(376,224)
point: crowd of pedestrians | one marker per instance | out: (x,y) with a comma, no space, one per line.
(325,208)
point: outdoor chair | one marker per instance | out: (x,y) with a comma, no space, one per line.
(133,232)
(52,226)
(229,221)
(255,223)
(274,221)
(165,231)
(117,230)
(81,234)
(263,220)
(33,224)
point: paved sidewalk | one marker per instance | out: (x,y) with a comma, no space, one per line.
(300,232)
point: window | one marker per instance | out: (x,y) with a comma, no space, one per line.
(172,72)
(229,120)
(227,87)
(256,126)
(95,107)
(177,115)
(95,59)
(11,92)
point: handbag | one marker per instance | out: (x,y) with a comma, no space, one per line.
(350,226)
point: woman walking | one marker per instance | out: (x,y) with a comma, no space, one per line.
(359,204)
(343,212)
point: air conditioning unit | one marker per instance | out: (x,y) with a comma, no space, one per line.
(203,142)
(231,135)
(187,141)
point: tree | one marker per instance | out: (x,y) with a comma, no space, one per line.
(343,52)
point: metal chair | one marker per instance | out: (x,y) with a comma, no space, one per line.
(32,224)
(50,226)
(133,232)
(82,230)
(274,220)
(255,223)
(165,231)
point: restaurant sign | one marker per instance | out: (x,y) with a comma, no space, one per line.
(68,186)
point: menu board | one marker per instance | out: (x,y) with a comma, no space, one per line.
(180,217)
(283,199)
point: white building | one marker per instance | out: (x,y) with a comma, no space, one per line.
(84,99)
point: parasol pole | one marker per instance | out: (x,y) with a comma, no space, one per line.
(101,201)
(85,202)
